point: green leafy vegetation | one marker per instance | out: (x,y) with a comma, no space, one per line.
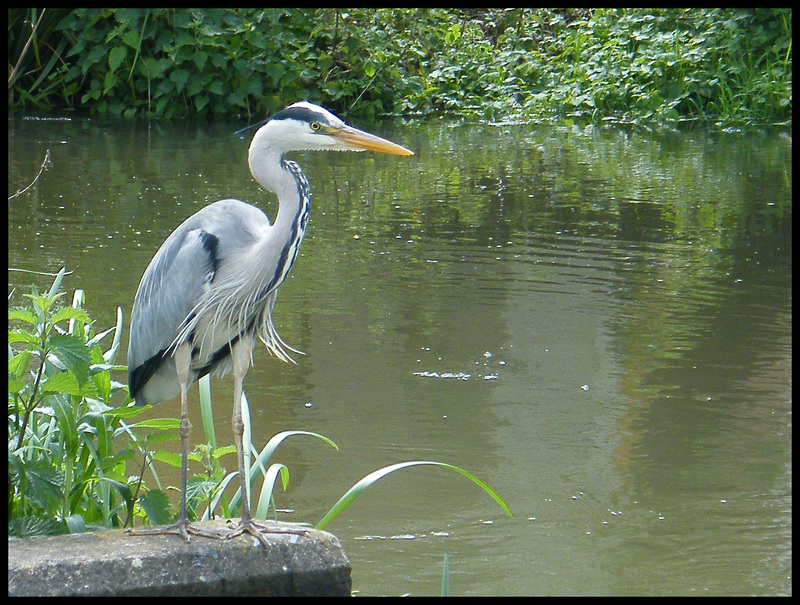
(66,471)
(732,66)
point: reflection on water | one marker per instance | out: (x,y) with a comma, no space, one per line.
(596,322)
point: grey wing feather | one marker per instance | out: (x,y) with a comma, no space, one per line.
(173,285)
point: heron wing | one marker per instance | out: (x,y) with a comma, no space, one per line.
(175,282)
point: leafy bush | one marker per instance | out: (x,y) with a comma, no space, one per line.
(64,471)
(732,65)
(669,64)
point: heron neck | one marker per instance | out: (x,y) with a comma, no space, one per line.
(273,174)
(287,181)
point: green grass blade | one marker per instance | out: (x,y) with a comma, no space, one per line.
(111,355)
(206,411)
(217,500)
(57,282)
(268,486)
(355,491)
(266,453)
(278,438)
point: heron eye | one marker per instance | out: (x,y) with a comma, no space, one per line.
(316,126)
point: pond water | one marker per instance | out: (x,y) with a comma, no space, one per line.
(595,321)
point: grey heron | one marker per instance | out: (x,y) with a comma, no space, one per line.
(210,289)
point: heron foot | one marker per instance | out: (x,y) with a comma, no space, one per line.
(182,528)
(258,529)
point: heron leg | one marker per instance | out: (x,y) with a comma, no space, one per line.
(241,357)
(181,527)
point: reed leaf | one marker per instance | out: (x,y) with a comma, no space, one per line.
(355,491)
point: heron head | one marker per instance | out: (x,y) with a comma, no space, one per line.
(305,126)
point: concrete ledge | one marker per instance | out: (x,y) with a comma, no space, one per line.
(113,563)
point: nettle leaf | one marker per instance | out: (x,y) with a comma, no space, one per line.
(180,77)
(18,364)
(156,505)
(45,485)
(116,57)
(72,352)
(67,382)
(15,384)
(131,38)
(71,313)
(19,336)
(171,458)
(63,382)
(25,315)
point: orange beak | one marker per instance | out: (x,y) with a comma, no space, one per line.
(360,140)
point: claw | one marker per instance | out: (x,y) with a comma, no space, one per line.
(180,528)
(258,530)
